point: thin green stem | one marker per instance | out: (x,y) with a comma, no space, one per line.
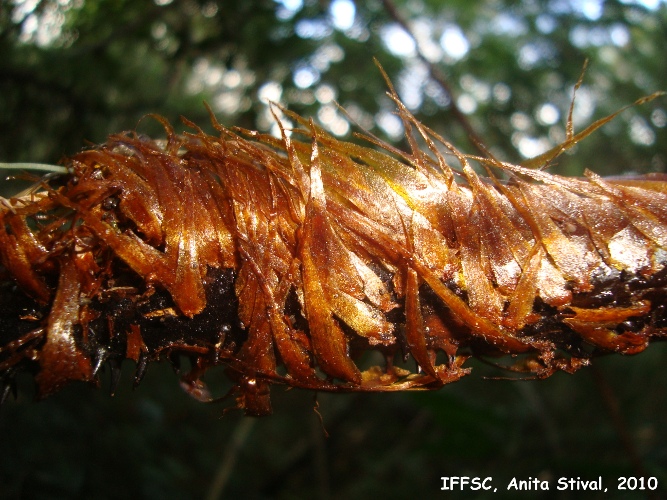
(44,167)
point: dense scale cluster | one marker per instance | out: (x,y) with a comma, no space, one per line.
(292,260)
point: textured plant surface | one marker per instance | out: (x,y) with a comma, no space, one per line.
(72,72)
(323,264)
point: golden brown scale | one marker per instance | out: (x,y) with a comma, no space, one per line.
(288,259)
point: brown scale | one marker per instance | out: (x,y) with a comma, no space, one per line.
(288,259)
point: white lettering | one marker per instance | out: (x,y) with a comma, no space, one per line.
(530,484)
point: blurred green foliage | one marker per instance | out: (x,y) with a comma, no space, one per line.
(75,71)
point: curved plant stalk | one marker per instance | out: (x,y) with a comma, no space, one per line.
(292,260)
(36,167)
